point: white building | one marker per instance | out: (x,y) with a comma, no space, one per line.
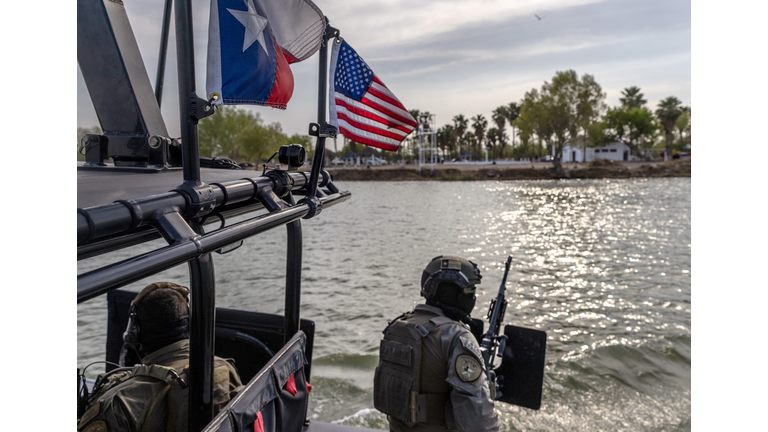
(372,157)
(617,151)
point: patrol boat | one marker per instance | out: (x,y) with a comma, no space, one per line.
(156,187)
(159,187)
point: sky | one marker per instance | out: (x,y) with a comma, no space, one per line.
(452,57)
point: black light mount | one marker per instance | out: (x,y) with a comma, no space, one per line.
(292,156)
(328,130)
(95,148)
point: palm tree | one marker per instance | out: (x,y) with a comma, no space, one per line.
(500,118)
(668,111)
(446,138)
(513,112)
(683,124)
(460,126)
(470,140)
(495,136)
(479,123)
(415,113)
(632,97)
(414,139)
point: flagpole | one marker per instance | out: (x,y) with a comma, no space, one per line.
(202,281)
(321,129)
(185,55)
(160,79)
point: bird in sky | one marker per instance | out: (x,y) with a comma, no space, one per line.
(538,17)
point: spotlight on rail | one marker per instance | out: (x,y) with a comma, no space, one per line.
(292,156)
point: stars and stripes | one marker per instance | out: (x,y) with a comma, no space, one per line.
(361,106)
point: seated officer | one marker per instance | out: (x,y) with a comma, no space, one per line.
(152,396)
(431,375)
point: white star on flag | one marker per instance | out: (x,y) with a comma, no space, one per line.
(361,106)
(254,25)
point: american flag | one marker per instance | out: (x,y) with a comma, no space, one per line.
(361,106)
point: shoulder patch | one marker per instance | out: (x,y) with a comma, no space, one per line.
(467,368)
(97,426)
(470,345)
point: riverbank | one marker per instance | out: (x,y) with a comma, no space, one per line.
(535,171)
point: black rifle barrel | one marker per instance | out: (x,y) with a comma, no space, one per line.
(490,339)
(500,298)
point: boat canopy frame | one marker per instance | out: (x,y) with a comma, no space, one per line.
(136,138)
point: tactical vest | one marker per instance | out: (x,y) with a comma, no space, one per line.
(396,383)
(166,382)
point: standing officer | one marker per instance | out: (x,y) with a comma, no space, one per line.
(430,375)
(153,396)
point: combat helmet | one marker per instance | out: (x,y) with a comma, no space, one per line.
(156,325)
(445,268)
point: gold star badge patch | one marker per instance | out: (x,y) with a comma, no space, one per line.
(468,368)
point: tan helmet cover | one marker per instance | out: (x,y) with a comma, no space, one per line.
(184,291)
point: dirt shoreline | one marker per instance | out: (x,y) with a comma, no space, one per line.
(534,171)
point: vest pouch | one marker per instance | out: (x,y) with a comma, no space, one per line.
(392,392)
(396,380)
(145,390)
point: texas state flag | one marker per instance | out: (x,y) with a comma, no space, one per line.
(245,63)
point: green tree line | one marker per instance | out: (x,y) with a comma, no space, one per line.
(568,109)
(235,133)
(242,135)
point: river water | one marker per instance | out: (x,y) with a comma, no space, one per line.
(603,266)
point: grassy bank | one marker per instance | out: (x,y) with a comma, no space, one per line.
(599,169)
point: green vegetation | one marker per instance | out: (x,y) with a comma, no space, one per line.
(668,111)
(460,124)
(568,109)
(242,135)
(632,98)
(683,126)
(235,133)
(562,112)
(635,127)
(450,177)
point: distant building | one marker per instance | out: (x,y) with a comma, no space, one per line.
(367,157)
(330,156)
(351,159)
(371,156)
(617,151)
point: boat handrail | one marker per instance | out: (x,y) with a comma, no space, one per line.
(99,281)
(123,216)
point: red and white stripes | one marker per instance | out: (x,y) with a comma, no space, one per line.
(378,119)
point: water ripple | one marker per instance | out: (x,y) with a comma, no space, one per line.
(603,266)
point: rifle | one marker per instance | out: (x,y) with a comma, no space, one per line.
(493,343)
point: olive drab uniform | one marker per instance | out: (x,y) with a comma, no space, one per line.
(153,396)
(431,376)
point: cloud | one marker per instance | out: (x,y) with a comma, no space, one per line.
(482,65)
(404,21)
(468,57)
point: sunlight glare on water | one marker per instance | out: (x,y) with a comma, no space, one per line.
(603,266)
